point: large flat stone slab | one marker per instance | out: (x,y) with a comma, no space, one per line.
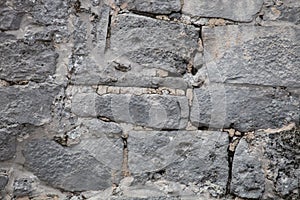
(198,157)
(252,55)
(244,108)
(65,168)
(154,43)
(29,104)
(150,110)
(23,62)
(243,11)
(151,6)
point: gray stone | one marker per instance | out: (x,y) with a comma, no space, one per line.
(151,6)
(3,180)
(252,55)
(8,143)
(157,111)
(283,154)
(247,173)
(22,187)
(244,108)
(30,104)
(9,18)
(242,11)
(146,198)
(154,43)
(24,62)
(64,168)
(185,157)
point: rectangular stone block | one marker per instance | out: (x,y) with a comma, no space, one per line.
(243,11)
(151,6)
(154,43)
(20,61)
(198,157)
(150,110)
(27,104)
(253,55)
(244,108)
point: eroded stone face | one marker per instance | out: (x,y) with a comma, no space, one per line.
(24,62)
(242,11)
(64,168)
(29,104)
(244,108)
(154,43)
(183,156)
(8,143)
(252,55)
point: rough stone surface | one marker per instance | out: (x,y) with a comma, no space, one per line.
(252,55)
(23,62)
(247,174)
(22,187)
(9,18)
(65,169)
(243,11)
(3,180)
(8,144)
(154,43)
(150,6)
(165,112)
(244,108)
(197,157)
(27,104)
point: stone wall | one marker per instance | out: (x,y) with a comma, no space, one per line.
(149,99)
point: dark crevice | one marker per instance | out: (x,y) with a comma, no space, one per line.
(108,34)
(12,83)
(125,167)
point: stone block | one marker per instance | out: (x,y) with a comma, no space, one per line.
(242,11)
(23,62)
(30,104)
(8,144)
(150,6)
(244,108)
(198,157)
(252,55)
(64,168)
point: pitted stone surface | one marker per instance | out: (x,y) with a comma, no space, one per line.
(244,108)
(154,43)
(64,168)
(23,62)
(151,6)
(243,11)
(182,156)
(252,55)
(156,111)
(8,143)
(9,19)
(30,104)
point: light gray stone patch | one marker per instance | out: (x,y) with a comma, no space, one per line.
(252,55)
(30,104)
(244,108)
(247,173)
(150,6)
(154,43)
(23,62)
(64,168)
(242,11)
(198,157)
(22,187)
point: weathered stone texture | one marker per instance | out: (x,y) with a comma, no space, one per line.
(151,6)
(29,104)
(154,43)
(252,55)
(243,11)
(157,111)
(247,173)
(23,62)
(8,142)
(9,18)
(244,108)
(197,157)
(64,168)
